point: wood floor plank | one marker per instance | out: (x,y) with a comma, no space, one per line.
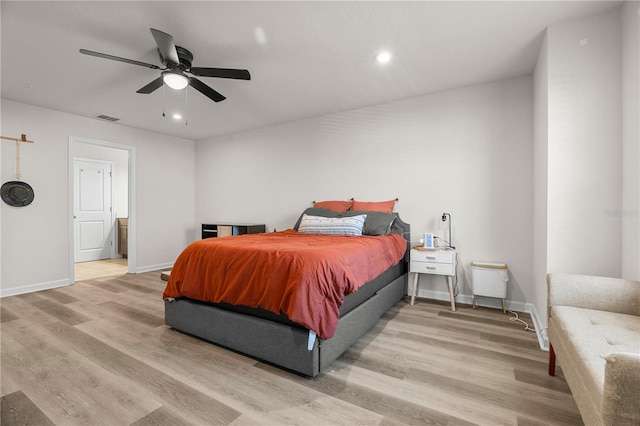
(172,393)
(131,285)
(125,313)
(8,384)
(134,314)
(25,309)
(107,285)
(487,354)
(485,395)
(60,311)
(7,315)
(59,296)
(86,292)
(200,364)
(430,395)
(492,375)
(544,381)
(69,388)
(17,409)
(375,399)
(97,352)
(161,417)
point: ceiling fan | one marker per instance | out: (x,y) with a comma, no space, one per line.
(177,61)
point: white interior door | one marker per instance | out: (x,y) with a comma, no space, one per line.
(93,212)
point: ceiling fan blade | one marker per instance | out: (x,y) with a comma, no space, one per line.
(166,46)
(117,58)
(149,88)
(206,90)
(221,73)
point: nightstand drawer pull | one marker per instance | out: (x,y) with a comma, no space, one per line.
(431,267)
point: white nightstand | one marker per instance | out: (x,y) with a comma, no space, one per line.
(434,262)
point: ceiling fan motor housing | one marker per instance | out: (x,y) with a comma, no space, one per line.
(185,56)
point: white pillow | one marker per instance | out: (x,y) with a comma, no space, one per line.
(332,225)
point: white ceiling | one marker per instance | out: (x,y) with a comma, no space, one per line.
(305,58)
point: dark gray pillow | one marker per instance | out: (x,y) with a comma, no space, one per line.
(377,223)
(316,211)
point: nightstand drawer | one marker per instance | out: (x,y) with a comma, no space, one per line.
(431,268)
(432,256)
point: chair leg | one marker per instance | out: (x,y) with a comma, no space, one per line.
(552,361)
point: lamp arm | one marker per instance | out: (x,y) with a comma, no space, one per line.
(444,219)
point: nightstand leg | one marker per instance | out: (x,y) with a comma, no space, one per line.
(415,287)
(451,296)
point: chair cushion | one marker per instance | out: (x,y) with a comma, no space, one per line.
(593,335)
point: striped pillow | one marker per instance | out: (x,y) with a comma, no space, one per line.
(332,225)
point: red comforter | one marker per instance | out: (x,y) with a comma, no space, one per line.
(304,276)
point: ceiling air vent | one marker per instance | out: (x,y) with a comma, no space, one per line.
(106,117)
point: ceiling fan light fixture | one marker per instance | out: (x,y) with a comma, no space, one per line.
(175,80)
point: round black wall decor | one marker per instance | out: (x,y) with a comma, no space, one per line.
(16,193)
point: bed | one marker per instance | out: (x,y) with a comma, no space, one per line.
(274,331)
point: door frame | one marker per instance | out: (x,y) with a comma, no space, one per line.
(131,249)
(113,232)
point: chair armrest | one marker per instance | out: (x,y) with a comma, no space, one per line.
(590,292)
(621,389)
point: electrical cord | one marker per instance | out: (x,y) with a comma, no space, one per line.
(517,318)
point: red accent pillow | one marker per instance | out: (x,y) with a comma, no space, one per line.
(374,206)
(336,206)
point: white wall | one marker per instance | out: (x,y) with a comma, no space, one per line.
(39,234)
(586,149)
(584,146)
(631,141)
(540,182)
(466,152)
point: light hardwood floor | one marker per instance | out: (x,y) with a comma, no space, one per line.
(100,269)
(98,353)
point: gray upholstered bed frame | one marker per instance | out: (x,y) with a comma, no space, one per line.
(282,344)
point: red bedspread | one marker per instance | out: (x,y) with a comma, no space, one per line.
(304,276)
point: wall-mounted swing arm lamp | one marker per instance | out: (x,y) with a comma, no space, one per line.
(444,219)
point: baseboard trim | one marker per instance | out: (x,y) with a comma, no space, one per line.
(151,268)
(541,331)
(15,291)
(492,302)
(6,292)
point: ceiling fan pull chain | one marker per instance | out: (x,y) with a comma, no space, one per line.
(186,107)
(163,99)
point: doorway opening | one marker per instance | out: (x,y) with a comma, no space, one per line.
(102,209)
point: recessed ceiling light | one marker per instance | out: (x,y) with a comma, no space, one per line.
(383,57)
(177,116)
